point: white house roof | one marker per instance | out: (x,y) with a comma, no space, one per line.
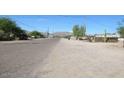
(107,35)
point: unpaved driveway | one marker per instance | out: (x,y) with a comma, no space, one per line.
(83,59)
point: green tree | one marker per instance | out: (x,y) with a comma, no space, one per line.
(82,31)
(10,29)
(20,34)
(121,31)
(1,34)
(79,31)
(7,25)
(36,34)
(76,31)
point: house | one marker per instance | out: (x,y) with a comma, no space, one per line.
(108,37)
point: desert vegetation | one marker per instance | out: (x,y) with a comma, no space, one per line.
(9,30)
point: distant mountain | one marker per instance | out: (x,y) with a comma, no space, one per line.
(62,34)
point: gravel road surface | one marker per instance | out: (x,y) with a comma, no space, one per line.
(20,58)
(61,58)
(84,59)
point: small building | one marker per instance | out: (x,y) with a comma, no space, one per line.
(108,37)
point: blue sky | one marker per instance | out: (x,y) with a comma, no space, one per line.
(94,24)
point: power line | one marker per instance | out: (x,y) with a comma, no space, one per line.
(24,24)
(18,21)
(94,21)
(91,20)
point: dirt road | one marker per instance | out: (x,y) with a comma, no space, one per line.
(61,58)
(21,58)
(84,59)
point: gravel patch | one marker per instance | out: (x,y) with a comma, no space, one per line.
(76,59)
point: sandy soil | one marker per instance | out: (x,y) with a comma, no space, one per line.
(72,58)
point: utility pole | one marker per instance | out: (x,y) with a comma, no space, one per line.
(84,30)
(53,32)
(85,19)
(105,35)
(47,32)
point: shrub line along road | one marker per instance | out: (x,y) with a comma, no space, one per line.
(60,58)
